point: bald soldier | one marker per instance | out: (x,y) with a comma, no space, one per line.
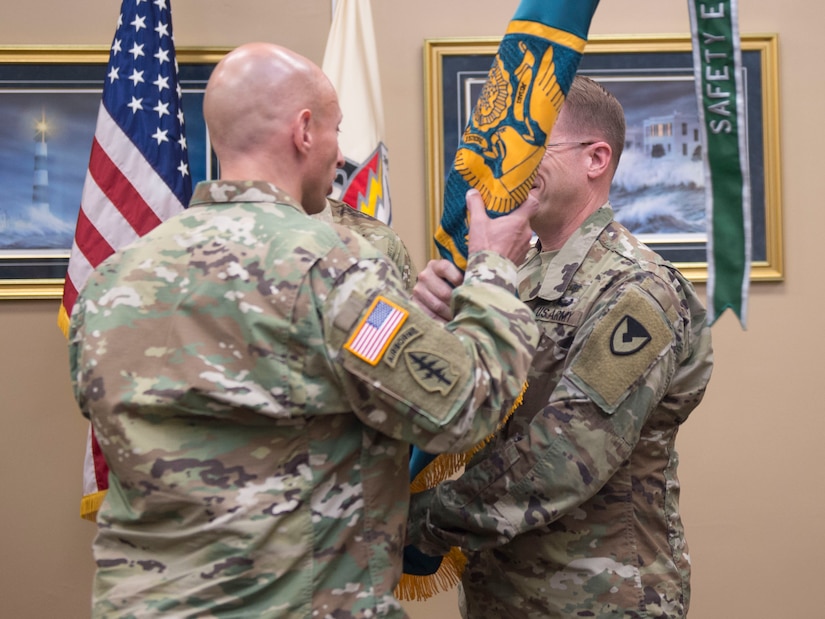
(255,377)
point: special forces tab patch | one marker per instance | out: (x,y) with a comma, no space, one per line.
(621,348)
(376,330)
(432,372)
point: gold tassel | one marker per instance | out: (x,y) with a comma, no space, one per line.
(443,466)
(90,503)
(448,575)
(63,321)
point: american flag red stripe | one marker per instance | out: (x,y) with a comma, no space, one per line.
(138,172)
(120,192)
(69,295)
(95,247)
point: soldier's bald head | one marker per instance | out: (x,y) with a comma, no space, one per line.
(273,115)
(253,91)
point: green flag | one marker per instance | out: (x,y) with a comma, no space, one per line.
(717,61)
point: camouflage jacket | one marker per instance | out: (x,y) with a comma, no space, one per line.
(573,509)
(379,234)
(255,378)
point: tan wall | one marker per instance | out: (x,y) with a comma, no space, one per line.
(751,469)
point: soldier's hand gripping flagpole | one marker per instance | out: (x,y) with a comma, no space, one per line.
(498,155)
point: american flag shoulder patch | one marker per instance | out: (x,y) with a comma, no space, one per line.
(376,330)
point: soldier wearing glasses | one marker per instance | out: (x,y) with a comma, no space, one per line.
(573,509)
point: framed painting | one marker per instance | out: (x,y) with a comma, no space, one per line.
(658,191)
(49,99)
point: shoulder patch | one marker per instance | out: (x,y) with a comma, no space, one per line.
(621,348)
(432,372)
(629,337)
(376,330)
(404,337)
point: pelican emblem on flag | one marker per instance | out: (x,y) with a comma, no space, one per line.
(504,140)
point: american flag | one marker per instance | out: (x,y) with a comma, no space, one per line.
(138,171)
(373,335)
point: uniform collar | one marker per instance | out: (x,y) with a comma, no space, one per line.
(221,191)
(549,279)
(326,214)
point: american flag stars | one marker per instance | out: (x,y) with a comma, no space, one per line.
(142,59)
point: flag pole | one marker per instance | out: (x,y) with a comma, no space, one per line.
(531,74)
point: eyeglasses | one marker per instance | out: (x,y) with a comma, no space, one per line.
(548,149)
(554,144)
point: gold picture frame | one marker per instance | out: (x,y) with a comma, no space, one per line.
(456,68)
(69,81)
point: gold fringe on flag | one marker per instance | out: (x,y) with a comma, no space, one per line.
(63,321)
(499,155)
(420,588)
(444,466)
(90,504)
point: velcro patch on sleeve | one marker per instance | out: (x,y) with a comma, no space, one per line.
(404,337)
(376,330)
(432,371)
(621,348)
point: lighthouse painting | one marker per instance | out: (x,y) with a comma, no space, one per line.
(49,102)
(43,151)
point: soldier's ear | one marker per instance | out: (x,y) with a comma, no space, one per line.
(301,131)
(601,154)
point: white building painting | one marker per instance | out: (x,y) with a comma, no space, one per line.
(675,136)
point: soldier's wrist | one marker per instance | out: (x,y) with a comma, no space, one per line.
(491,267)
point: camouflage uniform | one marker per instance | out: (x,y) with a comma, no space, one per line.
(379,234)
(258,449)
(573,509)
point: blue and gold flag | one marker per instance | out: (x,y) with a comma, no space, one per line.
(503,143)
(499,155)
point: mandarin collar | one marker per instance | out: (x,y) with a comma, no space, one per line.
(549,279)
(224,191)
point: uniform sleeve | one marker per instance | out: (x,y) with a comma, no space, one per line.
(75,345)
(617,370)
(403,262)
(390,244)
(380,235)
(441,388)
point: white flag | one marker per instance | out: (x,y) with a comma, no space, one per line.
(351,63)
